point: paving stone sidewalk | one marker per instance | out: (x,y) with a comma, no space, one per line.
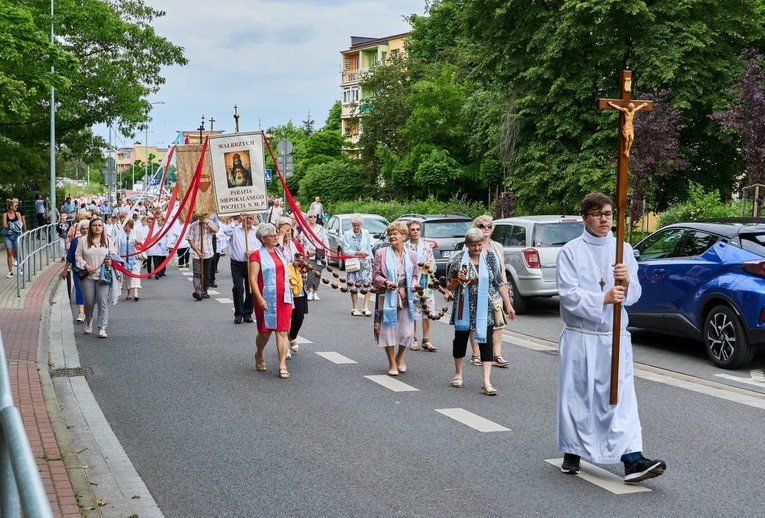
(24,328)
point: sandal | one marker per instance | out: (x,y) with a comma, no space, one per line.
(476,360)
(283,374)
(457,382)
(367,313)
(499,361)
(128,297)
(414,346)
(260,364)
(427,346)
(488,390)
(356,313)
(294,346)
(393,373)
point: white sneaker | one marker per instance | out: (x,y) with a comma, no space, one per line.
(102,333)
(14,262)
(316,296)
(10,274)
(310,296)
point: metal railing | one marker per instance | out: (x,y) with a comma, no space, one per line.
(21,488)
(35,247)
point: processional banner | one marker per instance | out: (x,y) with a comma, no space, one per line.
(238,173)
(187,159)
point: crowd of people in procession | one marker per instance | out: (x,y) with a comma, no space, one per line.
(277,258)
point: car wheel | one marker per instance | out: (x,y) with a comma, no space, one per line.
(519,301)
(340,262)
(725,339)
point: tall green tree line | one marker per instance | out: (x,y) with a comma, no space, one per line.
(500,95)
(105,61)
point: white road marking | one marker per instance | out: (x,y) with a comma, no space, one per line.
(332,356)
(602,478)
(224,300)
(675,379)
(213,292)
(472,420)
(749,381)
(187,274)
(302,340)
(391,383)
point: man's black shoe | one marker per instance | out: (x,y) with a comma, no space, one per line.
(205,295)
(213,285)
(237,320)
(571,464)
(196,295)
(643,469)
(248,319)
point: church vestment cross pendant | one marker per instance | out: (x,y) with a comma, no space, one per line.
(602,283)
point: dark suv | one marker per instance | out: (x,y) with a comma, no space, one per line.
(444,232)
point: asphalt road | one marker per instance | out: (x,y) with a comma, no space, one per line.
(211,436)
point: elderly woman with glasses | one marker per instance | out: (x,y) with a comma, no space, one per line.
(357,243)
(315,238)
(427,266)
(271,291)
(394,273)
(475,279)
(485,224)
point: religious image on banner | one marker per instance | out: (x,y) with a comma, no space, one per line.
(238,172)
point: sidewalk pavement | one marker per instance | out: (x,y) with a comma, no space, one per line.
(25,338)
(83,467)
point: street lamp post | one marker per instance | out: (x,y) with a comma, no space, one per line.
(146,144)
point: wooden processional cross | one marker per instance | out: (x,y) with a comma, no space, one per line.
(627,107)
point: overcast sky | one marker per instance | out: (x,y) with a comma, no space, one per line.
(275,60)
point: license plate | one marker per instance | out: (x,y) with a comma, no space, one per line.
(448,254)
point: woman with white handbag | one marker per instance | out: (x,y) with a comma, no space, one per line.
(357,243)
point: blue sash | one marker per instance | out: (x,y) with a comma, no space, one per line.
(390,306)
(268,271)
(482,309)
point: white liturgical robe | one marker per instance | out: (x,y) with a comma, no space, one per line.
(587,425)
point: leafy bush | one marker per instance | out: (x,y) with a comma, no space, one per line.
(392,210)
(700,206)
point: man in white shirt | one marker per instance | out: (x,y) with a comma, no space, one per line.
(240,249)
(199,236)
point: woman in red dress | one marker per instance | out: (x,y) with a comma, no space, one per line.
(272,296)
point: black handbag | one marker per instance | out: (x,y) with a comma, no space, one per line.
(81,273)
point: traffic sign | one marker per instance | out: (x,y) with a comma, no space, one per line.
(284,147)
(268,176)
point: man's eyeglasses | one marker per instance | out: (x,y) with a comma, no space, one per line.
(598,215)
(273,236)
(485,225)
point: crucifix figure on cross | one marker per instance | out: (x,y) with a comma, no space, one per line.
(627,107)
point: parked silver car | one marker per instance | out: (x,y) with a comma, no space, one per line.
(338,224)
(531,245)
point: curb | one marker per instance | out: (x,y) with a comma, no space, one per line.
(77,477)
(103,477)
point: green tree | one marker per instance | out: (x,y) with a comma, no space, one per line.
(334,181)
(107,59)
(557,57)
(334,120)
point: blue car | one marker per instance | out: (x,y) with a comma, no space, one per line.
(705,280)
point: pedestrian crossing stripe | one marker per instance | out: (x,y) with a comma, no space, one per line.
(472,420)
(331,356)
(602,478)
(224,300)
(392,383)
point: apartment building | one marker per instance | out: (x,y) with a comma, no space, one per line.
(126,156)
(363,55)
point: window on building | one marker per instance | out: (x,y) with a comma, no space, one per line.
(384,57)
(347,63)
